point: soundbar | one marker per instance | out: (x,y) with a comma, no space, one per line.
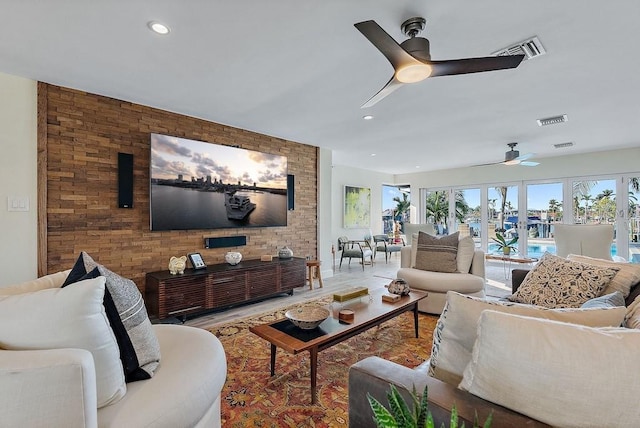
(225,241)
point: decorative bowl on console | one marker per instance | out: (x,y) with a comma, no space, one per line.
(307,317)
(233,257)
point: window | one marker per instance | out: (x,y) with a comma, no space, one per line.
(396,206)
(529,211)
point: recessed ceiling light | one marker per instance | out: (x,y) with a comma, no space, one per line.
(367,117)
(417,166)
(158,27)
(373,154)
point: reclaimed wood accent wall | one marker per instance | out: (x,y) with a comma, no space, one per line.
(85,132)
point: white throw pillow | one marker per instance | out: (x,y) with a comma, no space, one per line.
(628,275)
(414,249)
(466,250)
(53,280)
(455,332)
(562,374)
(70,317)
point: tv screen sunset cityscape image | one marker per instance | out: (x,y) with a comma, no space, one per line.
(200,185)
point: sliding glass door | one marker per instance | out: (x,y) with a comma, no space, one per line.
(502,215)
(544,209)
(396,207)
(529,210)
(632,220)
(468,213)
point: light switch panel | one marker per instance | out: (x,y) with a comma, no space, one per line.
(18,203)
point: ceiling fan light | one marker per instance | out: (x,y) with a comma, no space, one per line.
(413,73)
(158,27)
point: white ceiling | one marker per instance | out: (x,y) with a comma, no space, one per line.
(299,70)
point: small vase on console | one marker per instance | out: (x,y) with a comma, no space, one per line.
(285,253)
(233,257)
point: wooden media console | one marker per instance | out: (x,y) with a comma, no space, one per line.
(220,286)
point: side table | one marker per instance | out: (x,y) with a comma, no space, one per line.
(313,266)
(507,260)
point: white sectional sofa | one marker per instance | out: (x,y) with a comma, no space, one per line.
(57,386)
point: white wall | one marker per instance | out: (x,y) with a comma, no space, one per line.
(18,167)
(347,176)
(325,210)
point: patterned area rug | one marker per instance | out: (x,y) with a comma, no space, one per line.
(251,398)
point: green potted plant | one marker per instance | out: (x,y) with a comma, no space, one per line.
(504,245)
(400,416)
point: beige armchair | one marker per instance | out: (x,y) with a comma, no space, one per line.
(591,240)
(409,229)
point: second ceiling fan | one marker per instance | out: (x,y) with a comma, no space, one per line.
(513,157)
(411,59)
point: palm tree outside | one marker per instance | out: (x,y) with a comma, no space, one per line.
(437,207)
(402,208)
(554,209)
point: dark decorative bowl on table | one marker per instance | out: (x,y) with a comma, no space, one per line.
(307,317)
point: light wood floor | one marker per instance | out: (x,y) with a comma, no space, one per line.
(353,275)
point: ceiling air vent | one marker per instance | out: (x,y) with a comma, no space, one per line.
(530,48)
(552,120)
(563,145)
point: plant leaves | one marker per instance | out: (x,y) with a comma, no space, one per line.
(382,417)
(401,417)
(454,418)
(399,409)
(423,411)
(489,420)
(430,423)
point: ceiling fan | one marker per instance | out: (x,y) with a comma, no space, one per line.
(412,62)
(513,157)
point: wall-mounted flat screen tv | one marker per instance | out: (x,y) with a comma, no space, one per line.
(199,185)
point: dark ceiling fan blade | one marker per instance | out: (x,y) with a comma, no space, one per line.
(385,44)
(474,65)
(391,86)
(487,164)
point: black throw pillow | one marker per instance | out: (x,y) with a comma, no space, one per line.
(130,365)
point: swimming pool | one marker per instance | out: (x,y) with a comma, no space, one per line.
(537,250)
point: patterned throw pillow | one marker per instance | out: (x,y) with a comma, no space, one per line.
(627,277)
(437,254)
(124,306)
(556,282)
